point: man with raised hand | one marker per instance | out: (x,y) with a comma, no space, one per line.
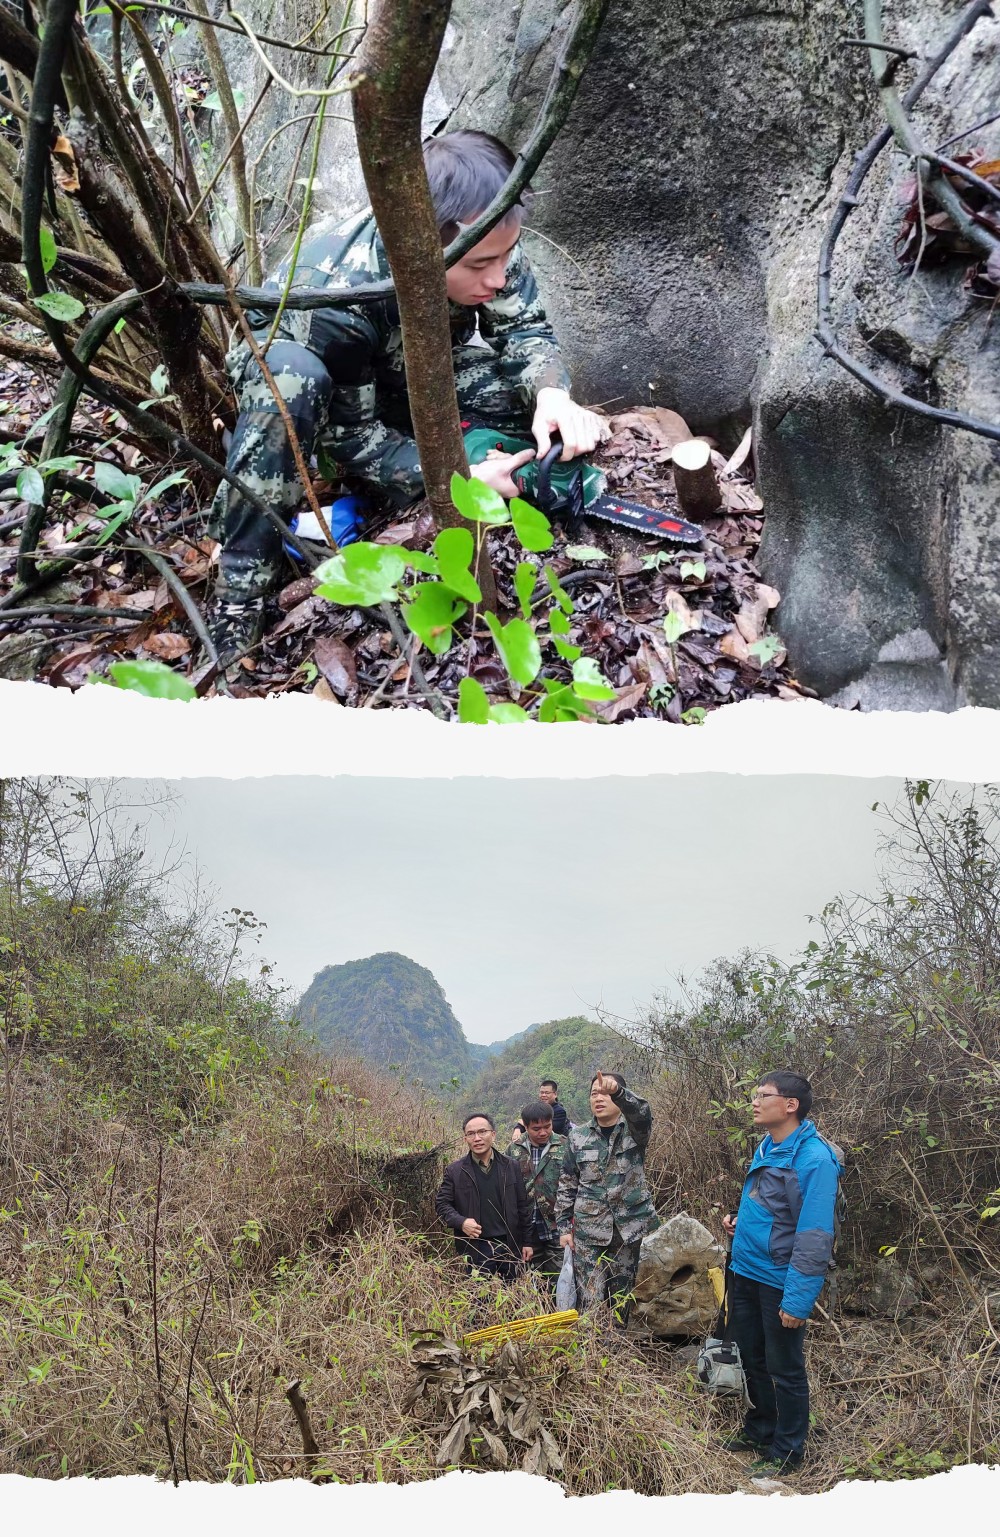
(604,1207)
(340,373)
(483,1200)
(782,1247)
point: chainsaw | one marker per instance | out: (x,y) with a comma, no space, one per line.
(573,491)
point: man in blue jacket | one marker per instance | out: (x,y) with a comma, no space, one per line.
(782,1246)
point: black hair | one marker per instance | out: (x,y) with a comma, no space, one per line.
(466,169)
(479,1115)
(792,1086)
(549,1083)
(619,1078)
(538,1110)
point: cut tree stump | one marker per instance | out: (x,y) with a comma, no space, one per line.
(698,494)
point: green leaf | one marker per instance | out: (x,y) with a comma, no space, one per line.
(567,649)
(533,529)
(454,550)
(589,682)
(508,714)
(695,568)
(525,582)
(362,574)
(45,417)
(695,716)
(122,515)
(177,479)
(159,383)
(114,482)
(431,613)
(585,552)
(212,103)
(473,705)
(420,561)
(477,501)
(674,627)
(47,247)
(154,679)
(765,649)
(31,487)
(120,325)
(562,704)
(60,306)
(518,646)
(60,462)
(559,592)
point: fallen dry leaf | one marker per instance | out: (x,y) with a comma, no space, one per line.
(168,646)
(322,690)
(733,645)
(66,172)
(628,698)
(660,426)
(335,661)
(741,454)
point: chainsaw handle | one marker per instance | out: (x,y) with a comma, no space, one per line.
(545,463)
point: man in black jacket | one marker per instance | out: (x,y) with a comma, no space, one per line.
(483,1200)
(548,1093)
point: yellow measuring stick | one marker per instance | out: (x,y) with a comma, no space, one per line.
(544,1323)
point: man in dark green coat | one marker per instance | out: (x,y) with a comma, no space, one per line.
(540,1153)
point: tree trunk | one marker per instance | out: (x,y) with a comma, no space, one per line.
(174,320)
(394,68)
(698,494)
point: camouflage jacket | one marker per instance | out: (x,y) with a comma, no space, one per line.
(603,1184)
(361,347)
(542,1184)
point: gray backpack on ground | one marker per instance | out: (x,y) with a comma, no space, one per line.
(720,1370)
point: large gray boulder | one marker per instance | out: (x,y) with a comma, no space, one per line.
(674,1294)
(685,203)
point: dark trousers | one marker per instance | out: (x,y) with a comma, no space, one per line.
(260,453)
(774,1361)
(492,1256)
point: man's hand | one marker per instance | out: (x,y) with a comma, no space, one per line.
(729,1225)
(498,471)
(606,1083)
(788,1322)
(581,430)
(566,1241)
(516,1134)
(527,1252)
(471,1228)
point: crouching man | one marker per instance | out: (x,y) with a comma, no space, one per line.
(782,1246)
(483,1200)
(604,1208)
(540,1153)
(339,370)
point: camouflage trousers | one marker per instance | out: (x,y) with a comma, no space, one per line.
(605,1273)
(253,558)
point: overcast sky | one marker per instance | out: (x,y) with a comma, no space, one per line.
(530,899)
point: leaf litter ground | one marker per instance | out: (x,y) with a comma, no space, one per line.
(117,606)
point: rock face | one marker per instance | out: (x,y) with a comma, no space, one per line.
(687,198)
(675,237)
(674,1295)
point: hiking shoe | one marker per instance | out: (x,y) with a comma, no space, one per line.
(738,1442)
(235,625)
(773,1467)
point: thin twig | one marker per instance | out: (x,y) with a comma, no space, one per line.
(224,26)
(180,592)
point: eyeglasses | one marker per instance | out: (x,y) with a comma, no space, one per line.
(484,1133)
(766,1094)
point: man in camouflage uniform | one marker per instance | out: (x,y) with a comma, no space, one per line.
(540,1153)
(604,1207)
(340,373)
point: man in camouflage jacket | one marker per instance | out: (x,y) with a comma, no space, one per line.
(604,1207)
(340,373)
(540,1153)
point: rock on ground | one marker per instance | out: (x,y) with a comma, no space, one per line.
(674,1295)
